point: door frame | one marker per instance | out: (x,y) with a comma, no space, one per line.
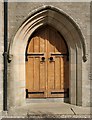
(76,46)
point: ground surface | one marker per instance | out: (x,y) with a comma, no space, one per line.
(50,110)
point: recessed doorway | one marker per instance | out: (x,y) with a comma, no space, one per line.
(47,65)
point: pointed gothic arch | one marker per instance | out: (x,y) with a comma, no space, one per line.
(77,50)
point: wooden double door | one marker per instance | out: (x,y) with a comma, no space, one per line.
(47,69)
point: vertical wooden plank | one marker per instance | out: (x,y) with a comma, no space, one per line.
(30,46)
(58,46)
(51,41)
(36,44)
(29,68)
(62,73)
(50,64)
(63,48)
(56,42)
(29,74)
(42,76)
(42,64)
(51,76)
(57,62)
(36,74)
(42,42)
(57,73)
(36,64)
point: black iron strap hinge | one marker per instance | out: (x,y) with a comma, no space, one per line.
(27,93)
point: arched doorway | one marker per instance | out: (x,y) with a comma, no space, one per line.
(76,45)
(47,69)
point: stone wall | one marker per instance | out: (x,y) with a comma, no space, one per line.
(79,12)
(18,12)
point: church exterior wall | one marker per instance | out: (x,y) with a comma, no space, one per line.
(19,11)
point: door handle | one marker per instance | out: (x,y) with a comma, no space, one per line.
(51,59)
(42,59)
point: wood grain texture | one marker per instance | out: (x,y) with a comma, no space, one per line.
(48,75)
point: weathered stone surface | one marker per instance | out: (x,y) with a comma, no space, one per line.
(17,14)
(79,12)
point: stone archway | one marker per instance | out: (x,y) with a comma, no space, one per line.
(74,39)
